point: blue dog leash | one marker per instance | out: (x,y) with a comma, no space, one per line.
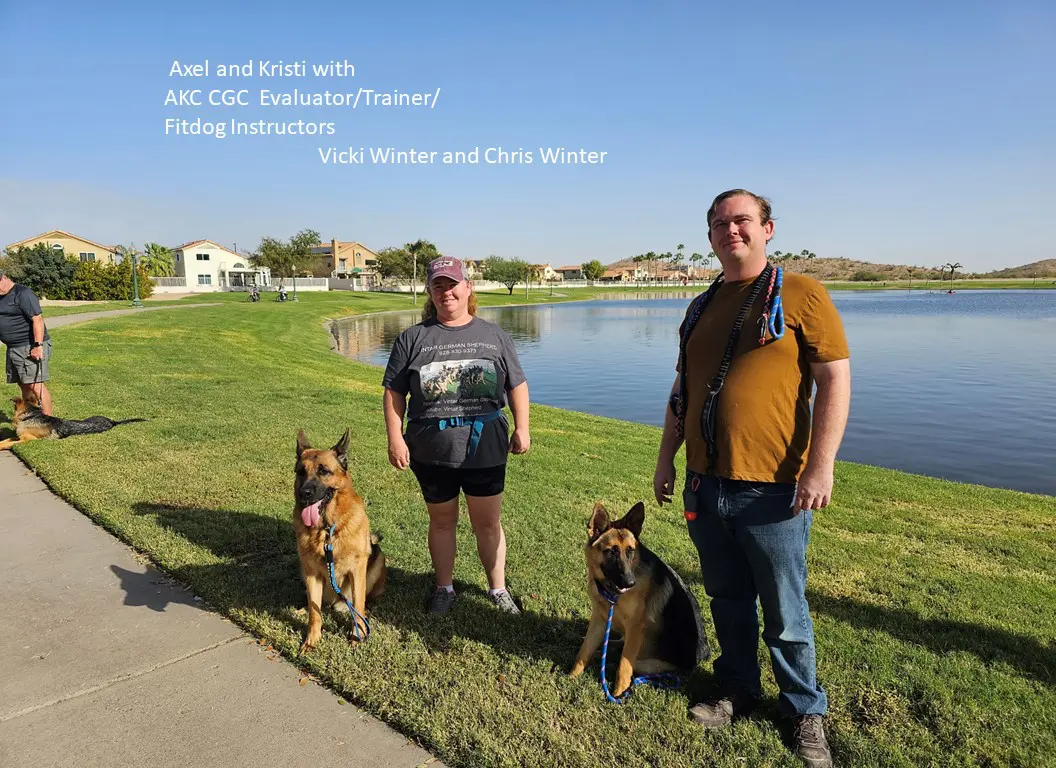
(329,549)
(668,681)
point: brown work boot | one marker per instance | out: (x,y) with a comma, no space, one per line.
(811,746)
(720,712)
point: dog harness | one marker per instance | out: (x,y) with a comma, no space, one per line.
(665,680)
(772,320)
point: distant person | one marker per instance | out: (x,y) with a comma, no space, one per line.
(751,349)
(459,371)
(23,332)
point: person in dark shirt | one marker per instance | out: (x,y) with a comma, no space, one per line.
(459,372)
(23,332)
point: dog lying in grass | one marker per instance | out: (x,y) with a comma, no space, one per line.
(31,423)
(657,616)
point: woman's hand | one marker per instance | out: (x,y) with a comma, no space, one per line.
(399,454)
(520,442)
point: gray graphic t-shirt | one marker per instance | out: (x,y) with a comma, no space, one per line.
(449,372)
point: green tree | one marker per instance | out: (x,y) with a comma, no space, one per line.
(286,259)
(300,247)
(158,261)
(46,270)
(593,270)
(394,263)
(509,272)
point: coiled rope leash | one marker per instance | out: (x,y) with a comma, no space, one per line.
(773,317)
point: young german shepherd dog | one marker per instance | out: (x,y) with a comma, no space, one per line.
(31,423)
(655,613)
(324,496)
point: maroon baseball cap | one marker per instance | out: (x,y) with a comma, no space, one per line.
(445,266)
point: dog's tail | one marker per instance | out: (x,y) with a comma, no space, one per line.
(127,421)
(375,543)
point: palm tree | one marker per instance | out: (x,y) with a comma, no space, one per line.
(678,258)
(696,259)
(954,266)
(707,264)
(651,258)
(419,250)
(158,261)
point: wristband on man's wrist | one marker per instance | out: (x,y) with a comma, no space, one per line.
(36,344)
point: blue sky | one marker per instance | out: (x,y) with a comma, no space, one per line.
(890,133)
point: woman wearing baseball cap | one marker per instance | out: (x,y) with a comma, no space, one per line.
(460,372)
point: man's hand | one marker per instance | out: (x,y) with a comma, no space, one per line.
(815,488)
(521,441)
(37,353)
(664,482)
(399,453)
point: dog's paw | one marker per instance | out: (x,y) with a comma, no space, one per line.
(305,647)
(577,670)
(622,684)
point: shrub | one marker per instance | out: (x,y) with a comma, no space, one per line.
(48,272)
(94,281)
(865,276)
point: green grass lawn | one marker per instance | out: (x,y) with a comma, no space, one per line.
(933,601)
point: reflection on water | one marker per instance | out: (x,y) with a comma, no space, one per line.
(957,386)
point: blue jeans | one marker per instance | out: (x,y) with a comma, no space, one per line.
(751,547)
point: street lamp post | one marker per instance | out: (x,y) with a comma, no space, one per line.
(135,284)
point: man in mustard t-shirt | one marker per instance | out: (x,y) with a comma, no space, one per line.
(751,349)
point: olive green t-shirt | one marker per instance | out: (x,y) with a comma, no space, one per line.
(763,416)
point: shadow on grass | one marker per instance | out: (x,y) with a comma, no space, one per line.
(942,636)
(1029,656)
(262,573)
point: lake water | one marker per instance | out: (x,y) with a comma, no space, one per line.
(957,386)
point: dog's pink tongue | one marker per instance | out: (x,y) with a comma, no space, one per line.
(310,514)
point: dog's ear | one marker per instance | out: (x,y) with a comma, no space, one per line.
(341,449)
(302,443)
(633,520)
(599,522)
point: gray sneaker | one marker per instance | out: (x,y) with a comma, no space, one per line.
(811,745)
(720,712)
(504,602)
(441,601)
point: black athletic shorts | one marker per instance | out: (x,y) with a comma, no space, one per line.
(440,484)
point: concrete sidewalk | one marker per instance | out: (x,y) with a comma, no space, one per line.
(103,662)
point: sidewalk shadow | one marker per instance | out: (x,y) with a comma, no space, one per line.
(151,589)
(262,572)
(1029,656)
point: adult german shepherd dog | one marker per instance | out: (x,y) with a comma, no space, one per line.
(324,498)
(655,613)
(31,423)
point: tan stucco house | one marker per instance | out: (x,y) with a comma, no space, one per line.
(74,246)
(343,259)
